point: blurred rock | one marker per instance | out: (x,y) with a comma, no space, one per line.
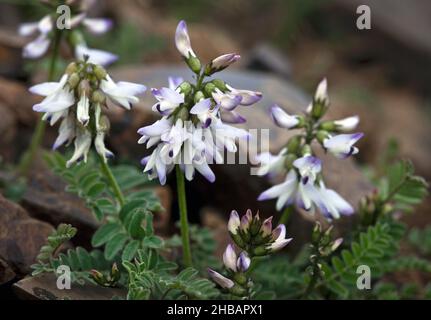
(216,222)
(6,272)
(8,127)
(46,200)
(19,100)
(265,57)
(18,119)
(44,287)
(387,113)
(21,236)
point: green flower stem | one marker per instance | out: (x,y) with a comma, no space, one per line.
(187,255)
(36,140)
(284,219)
(112,181)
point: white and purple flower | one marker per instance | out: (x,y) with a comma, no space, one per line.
(282,119)
(43,30)
(233,262)
(73,100)
(347,124)
(279,238)
(342,145)
(182,40)
(221,280)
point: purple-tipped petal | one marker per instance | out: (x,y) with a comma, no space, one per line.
(182,40)
(243,262)
(267,227)
(234,222)
(232,117)
(202,106)
(282,119)
(229,258)
(222,281)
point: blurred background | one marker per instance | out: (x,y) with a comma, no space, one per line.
(381,74)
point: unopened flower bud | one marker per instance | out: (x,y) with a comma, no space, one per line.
(115,273)
(199,96)
(230,258)
(221,280)
(317,230)
(98,97)
(246,221)
(336,244)
(243,262)
(185,88)
(100,72)
(73,80)
(221,63)
(234,222)
(220,84)
(321,95)
(194,64)
(98,277)
(327,125)
(322,135)
(71,68)
(266,227)
(209,89)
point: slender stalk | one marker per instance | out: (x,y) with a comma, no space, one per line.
(39,131)
(199,81)
(284,219)
(184,224)
(112,181)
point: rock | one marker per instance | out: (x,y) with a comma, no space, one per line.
(8,128)
(6,272)
(19,100)
(21,236)
(265,57)
(44,287)
(47,200)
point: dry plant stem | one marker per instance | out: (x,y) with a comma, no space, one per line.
(112,181)
(184,224)
(37,137)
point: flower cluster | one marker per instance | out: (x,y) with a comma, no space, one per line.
(77,99)
(193,131)
(304,185)
(45,31)
(255,238)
